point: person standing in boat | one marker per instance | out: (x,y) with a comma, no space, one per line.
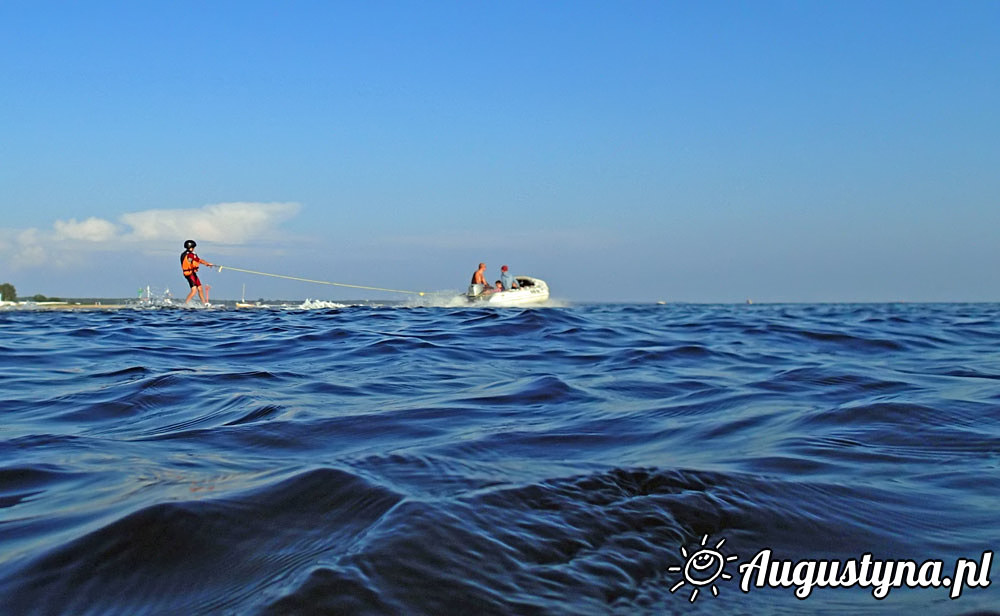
(189,267)
(507,279)
(479,283)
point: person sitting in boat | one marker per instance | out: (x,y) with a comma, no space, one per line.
(508,279)
(479,283)
(498,287)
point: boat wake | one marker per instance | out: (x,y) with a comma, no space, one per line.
(319,304)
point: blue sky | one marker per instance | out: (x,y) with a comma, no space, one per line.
(622,151)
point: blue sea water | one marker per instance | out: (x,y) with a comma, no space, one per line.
(420,460)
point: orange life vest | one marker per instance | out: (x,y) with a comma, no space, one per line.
(189,263)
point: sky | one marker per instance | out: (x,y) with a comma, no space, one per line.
(623,151)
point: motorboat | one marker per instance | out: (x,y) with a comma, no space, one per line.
(529,291)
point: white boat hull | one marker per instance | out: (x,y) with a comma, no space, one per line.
(531,291)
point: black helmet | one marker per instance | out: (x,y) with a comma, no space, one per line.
(190,244)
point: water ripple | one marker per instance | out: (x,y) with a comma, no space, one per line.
(420,460)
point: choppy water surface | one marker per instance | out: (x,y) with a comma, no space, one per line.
(453,460)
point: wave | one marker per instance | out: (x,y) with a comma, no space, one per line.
(421,459)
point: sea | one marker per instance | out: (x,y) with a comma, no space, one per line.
(568,459)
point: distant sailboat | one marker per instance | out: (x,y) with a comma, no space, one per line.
(243,300)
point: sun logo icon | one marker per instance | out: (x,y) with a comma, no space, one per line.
(703,568)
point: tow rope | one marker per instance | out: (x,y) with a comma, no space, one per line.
(335,284)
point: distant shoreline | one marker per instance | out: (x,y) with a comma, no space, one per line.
(64,305)
(115,303)
(118,303)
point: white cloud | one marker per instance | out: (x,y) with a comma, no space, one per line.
(227,223)
(68,241)
(28,249)
(90,230)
